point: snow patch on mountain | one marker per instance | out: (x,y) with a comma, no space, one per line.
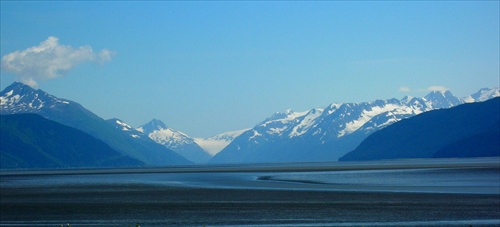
(126,128)
(7,100)
(306,123)
(170,138)
(366,116)
(255,134)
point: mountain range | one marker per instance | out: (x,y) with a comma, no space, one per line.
(319,134)
(326,134)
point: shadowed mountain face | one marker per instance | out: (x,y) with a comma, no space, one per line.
(20,98)
(468,130)
(31,141)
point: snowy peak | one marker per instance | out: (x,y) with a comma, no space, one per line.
(152,126)
(21,98)
(175,140)
(160,133)
(442,99)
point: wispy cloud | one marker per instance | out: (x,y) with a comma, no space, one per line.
(437,88)
(50,60)
(406,89)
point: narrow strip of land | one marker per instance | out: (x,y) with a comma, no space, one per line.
(280,167)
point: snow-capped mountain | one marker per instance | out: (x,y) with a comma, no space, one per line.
(483,95)
(215,144)
(20,98)
(440,100)
(175,140)
(325,134)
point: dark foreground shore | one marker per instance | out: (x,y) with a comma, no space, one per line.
(149,205)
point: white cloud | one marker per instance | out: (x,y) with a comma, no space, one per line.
(49,60)
(437,88)
(431,88)
(404,89)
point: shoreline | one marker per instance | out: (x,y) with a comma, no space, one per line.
(493,162)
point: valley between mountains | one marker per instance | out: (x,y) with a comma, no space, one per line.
(342,131)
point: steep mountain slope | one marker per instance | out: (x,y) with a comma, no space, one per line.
(31,141)
(325,134)
(484,144)
(20,98)
(438,133)
(175,140)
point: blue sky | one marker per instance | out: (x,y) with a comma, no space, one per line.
(209,67)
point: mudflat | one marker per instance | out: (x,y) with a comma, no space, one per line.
(124,205)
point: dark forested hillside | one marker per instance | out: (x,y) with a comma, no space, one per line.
(31,141)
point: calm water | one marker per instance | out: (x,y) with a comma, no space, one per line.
(461,195)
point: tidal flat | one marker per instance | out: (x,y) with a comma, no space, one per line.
(407,193)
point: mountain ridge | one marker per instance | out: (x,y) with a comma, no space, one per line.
(20,98)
